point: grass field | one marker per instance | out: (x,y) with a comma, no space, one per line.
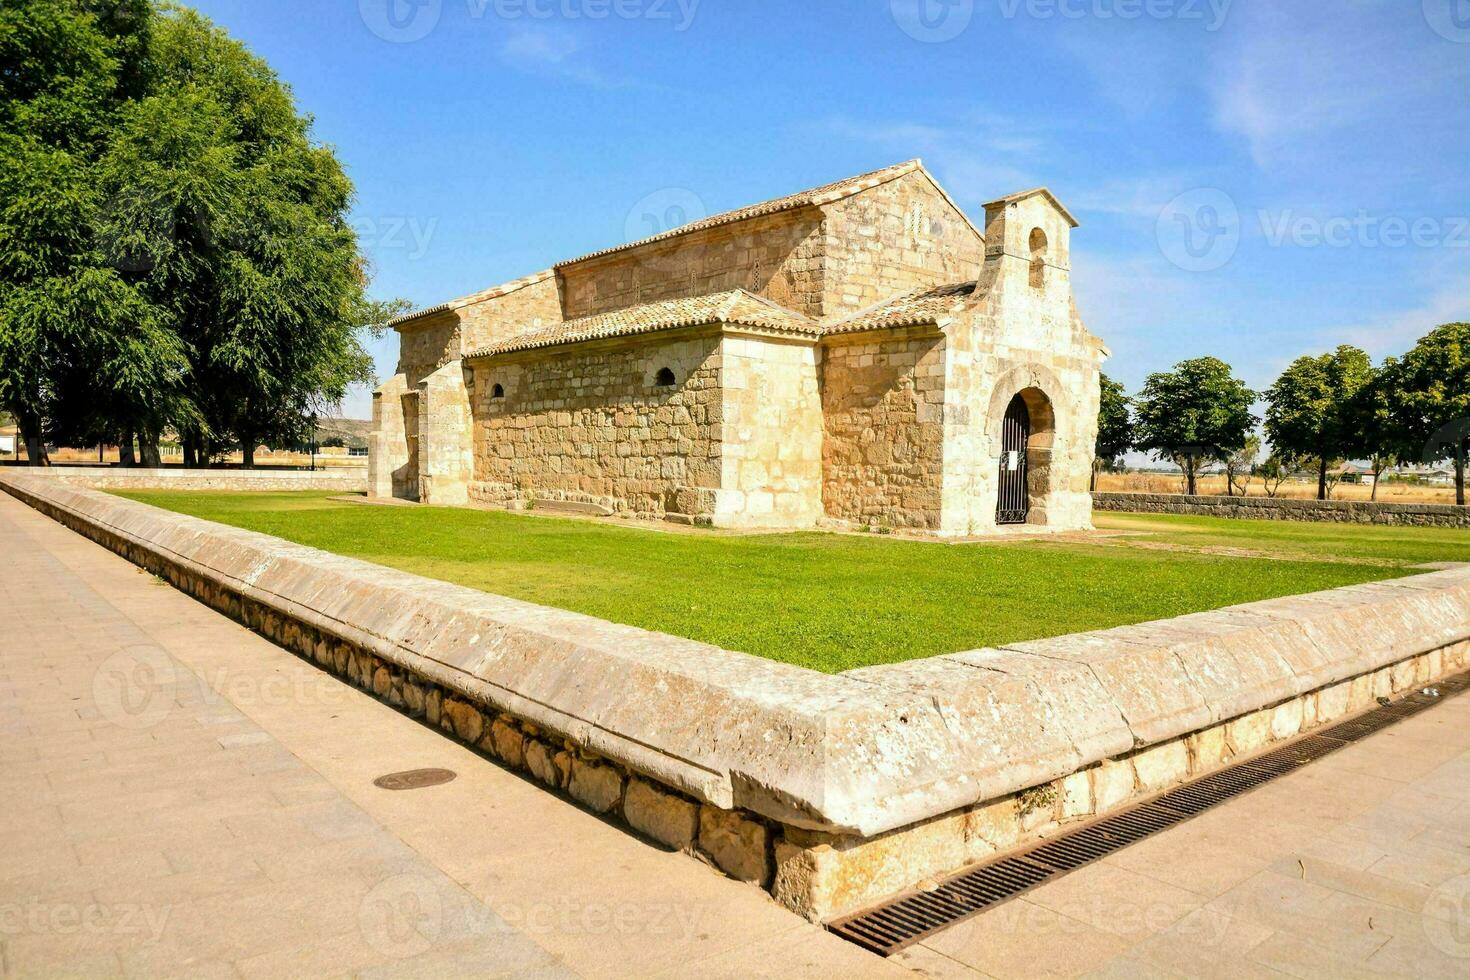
(827,601)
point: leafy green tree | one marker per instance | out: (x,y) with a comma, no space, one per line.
(63,77)
(1310,409)
(1194,414)
(1380,432)
(1431,399)
(1114,427)
(174,246)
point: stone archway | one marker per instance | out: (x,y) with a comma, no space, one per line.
(1024,392)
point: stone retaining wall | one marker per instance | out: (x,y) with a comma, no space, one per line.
(830,791)
(344,479)
(1282,509)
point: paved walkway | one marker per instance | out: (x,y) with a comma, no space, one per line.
(179,796)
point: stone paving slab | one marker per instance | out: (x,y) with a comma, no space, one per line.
(183,797)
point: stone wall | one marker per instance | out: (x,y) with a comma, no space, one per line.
(1282,509)
(777,256)
(527,307)
(771,434)
(883,415)
(590,424)
(831,791)
(893,238)
(340,479)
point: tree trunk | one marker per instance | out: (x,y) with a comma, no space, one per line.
(125,449)
(34,439)
(1460,474)
(1377,476)
(247,453)
(191,452)
(1189,485)
(1322,479)
(148,449)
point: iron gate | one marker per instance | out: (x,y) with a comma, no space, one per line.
(1014,501)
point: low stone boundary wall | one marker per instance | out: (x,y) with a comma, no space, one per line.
(830,791)
(346,479)
(1283,509)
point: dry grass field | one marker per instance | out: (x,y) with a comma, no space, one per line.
(1403,493)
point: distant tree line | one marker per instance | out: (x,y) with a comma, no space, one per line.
(175,252)
(1321,411)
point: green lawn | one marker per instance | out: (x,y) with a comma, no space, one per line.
(826,601)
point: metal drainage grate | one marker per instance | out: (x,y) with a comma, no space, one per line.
(885,929)
(414,779)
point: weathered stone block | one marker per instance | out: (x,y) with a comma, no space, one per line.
(1286,719)
(546,764)
(738,846)
(667,818)
(1161,766)
(596,786)
(1113,784)
(1249,733)
(465,720)
(510,744)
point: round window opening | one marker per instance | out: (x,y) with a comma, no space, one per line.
(664,378)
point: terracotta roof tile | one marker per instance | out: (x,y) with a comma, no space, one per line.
(736,306)
(927,305)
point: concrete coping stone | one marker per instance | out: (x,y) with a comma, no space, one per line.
(863,752)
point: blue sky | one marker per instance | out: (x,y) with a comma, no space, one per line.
(1256,179)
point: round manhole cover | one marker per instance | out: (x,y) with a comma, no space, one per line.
(414,779)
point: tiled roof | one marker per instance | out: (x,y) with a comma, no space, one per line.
(930,304)
(1044,192)
(493,292)
(927,305)
(825,194)
(736,306)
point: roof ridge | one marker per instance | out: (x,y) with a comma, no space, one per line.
(822,194)
(479,296)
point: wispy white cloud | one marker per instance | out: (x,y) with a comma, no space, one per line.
(553,53)
(1295,81)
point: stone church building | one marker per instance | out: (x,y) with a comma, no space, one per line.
(857,355)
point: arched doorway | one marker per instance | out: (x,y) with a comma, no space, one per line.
(1013,503)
